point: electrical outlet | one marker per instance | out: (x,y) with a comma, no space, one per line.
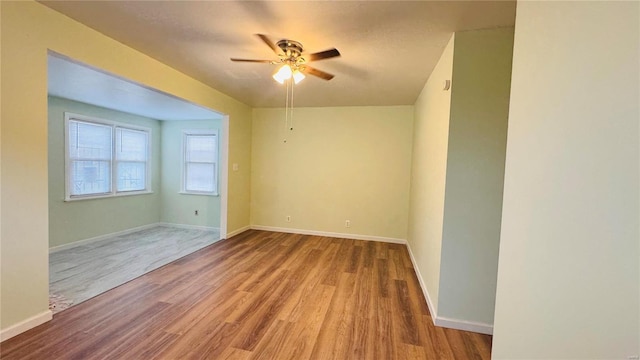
(288,218)
(196,212)
(347,223)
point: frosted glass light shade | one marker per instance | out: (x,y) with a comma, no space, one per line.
(298,76)
(283,74)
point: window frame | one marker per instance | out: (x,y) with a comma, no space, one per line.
(183,177)
(113,161)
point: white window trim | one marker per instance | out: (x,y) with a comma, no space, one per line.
(114,193)
(185,133)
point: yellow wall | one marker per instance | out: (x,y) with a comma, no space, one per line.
(428,174)
(339,163)
(28,31)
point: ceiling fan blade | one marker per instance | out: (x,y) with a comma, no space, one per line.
(315,72)
(252,60)
(270,43)
(327,54)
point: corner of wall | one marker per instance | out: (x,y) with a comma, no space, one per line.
(450,323)
(475,174)
(428,170)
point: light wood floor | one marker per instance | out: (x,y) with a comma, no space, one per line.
(84,271)
(259,295)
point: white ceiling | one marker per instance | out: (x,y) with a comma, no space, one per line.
(71,80)
(388,48)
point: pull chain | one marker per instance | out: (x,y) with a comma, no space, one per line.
(288,107)
(291,110)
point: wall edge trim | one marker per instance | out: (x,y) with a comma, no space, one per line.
(187,226)
(24,325)
(238,231)
(423,286)
(457,324)
(330,234)
(100,237)
(125,232)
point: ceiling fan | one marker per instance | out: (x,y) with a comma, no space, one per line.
(294,62)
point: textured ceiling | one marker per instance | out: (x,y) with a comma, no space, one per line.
(388,48)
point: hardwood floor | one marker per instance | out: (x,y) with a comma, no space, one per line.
(259,295)
(84,271)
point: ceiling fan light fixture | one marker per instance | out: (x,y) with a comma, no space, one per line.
(291,56)
(298,76)
(283,74)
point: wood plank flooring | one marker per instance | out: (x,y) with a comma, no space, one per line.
(259,295)
(84,271)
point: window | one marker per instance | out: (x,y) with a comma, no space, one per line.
(105,158)
(200,162)
(90,154)
(131,159)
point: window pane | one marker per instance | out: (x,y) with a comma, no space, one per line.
(201,148)
(90,177)
(89,141)
(131,176)
(131,145)
(200,177)
(105,159)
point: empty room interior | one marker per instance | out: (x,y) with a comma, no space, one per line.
(320,180)
(103,235)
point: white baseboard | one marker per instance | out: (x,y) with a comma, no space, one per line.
(464,325)
(330,234)
(237,231)
(423,286)
(190,227)
(457,324)
(126,232)
(101,237)
(25,325)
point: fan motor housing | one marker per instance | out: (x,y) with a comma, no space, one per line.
(290,47)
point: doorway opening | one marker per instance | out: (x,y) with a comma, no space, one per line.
(137,179)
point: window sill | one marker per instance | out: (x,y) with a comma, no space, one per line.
(198,193)
(106,196)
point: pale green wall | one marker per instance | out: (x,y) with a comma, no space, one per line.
(339,163)
(180,208)
(475,173)
(82,219)
(428,175)
(78,220)
(457,176)
(568,277)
